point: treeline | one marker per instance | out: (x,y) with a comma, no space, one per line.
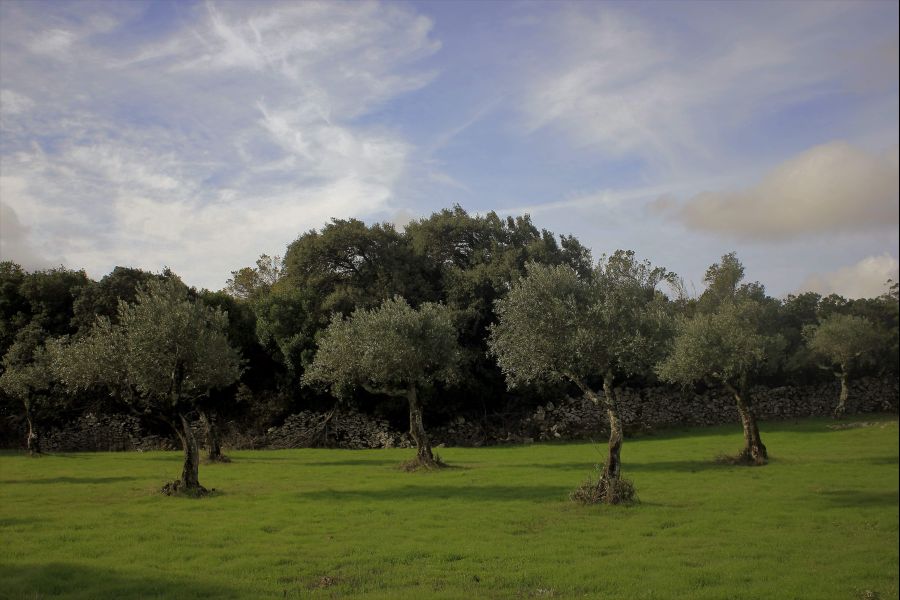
(276,314)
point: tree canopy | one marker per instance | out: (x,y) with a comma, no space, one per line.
(393,349)
(166,352)
(556,324)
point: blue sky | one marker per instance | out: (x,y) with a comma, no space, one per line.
(200,135)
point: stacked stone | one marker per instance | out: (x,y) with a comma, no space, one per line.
(341,429)
(566,419)
(109,433)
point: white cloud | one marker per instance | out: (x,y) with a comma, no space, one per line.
(830,188)
(14,242)
(12,103)
(238,129)
(865,279)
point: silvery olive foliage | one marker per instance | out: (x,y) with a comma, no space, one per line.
(725,346)
(166,351)
(844,340)
(387,348)
(558,324)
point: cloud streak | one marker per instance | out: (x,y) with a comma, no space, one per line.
(225,133)
(678,92)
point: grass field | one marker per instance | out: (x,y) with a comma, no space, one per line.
(820,521)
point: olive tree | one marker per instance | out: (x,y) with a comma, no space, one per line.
(728,347)
(26,377)
(394,350)
(165,354)
(556,325)
(846,342)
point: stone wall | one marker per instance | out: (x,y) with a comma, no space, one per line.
(658,407)
(103,433)
(337,429)
(567,419)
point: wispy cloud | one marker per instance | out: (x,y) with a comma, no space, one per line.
(678,93)
(224,134)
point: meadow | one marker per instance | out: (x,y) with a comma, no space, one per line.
(820,521)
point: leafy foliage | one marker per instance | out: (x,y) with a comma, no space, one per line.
(170,349)
(724,346)
(844,340)
(387,348)
(555,324)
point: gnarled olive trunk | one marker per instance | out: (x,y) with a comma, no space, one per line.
(213,443)
(613,468)
(841,407)
(754,451)
(190,479)
(610,487)
(417,428)
(33,440)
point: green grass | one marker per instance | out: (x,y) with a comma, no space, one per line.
(820,521)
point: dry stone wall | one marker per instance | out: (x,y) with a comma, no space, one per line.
(657,407)
(567,419)
(110,433)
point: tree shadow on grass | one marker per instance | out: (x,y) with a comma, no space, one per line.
(261,459)
(677,466)
(352,462)
(485,493)
(89,480)
(774,425)
(884,460)
(62,579)
(860,498)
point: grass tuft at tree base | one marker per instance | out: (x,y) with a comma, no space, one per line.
(177,488)
(741,459)
(616,491)
(417,464)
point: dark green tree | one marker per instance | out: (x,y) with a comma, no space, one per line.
(101,299)
(475,259)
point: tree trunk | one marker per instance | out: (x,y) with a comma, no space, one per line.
(612,470)
(424,455)
(610,488)
(32,441)
(754,451)
(841,407)
(213,444)
(190,480)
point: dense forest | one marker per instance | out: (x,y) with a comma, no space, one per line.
(287,334)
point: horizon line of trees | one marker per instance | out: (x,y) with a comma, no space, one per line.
(458,313)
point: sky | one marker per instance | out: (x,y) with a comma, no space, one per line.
(199,135)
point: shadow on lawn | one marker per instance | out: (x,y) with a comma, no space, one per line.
(51,480)
(487,493)
(59,579)
(679,466)
(859,498)
(798,425)
(353,462)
